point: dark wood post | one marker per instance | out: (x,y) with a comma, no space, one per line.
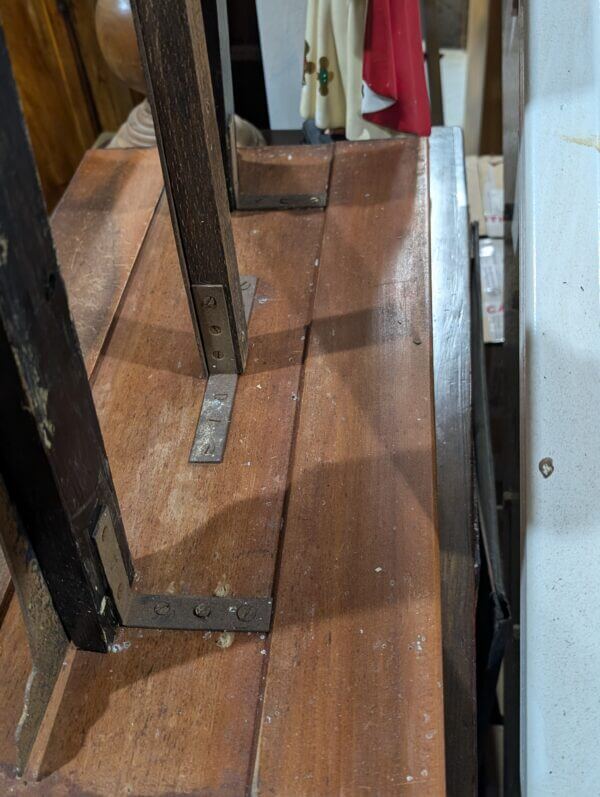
(52,457)
(174,54)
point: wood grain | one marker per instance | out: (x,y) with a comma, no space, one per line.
(175,713)
(112,98)
(69,94)
(52,456)
(98,229)
(174,56)
(58,116)
(284,170)
(451,315)
(353,699)
(191,527)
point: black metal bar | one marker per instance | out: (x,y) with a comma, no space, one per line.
(52,456)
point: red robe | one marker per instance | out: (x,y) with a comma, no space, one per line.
(393,65)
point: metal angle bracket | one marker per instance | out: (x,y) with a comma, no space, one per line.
(217,405)
(244,201)
(281,201)
(174,612)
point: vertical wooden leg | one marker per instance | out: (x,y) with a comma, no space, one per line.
(52,456)
(174,55)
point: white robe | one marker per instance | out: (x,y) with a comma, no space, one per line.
(333,93)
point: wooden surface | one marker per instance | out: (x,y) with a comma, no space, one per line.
(284,170)
(53,98)
(337,411)
(115,33)
(353,697)
(52,456)
(98,230)
(452,333)
(112,98)
(477,42)
(491,116)
(68,93)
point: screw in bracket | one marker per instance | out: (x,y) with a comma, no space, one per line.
(246,613)
(202,611)
(162,608)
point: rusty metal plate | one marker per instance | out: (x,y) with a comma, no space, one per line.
(215,415)
(175,612)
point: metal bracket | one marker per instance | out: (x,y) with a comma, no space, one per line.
(175,612)
(280,201)
(217,406)
(265,201)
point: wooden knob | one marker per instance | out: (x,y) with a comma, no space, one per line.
(117,39)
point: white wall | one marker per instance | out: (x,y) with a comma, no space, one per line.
(559,199)
(282,26)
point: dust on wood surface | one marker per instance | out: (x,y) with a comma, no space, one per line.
(325,498)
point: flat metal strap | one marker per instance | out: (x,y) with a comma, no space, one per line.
(175,612)
(215,327)
(281,201)
(196,613)
(215,415)
(245,201)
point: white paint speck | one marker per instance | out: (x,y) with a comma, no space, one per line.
(119,647)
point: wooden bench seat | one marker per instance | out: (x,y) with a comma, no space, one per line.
(325,499)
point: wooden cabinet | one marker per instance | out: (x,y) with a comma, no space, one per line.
(68,93)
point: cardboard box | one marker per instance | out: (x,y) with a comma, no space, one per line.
(485,175)
(491,186)
(474,193)
(491,262)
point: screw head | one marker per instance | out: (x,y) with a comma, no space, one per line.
(246,613)
(202,611)
(162,608)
